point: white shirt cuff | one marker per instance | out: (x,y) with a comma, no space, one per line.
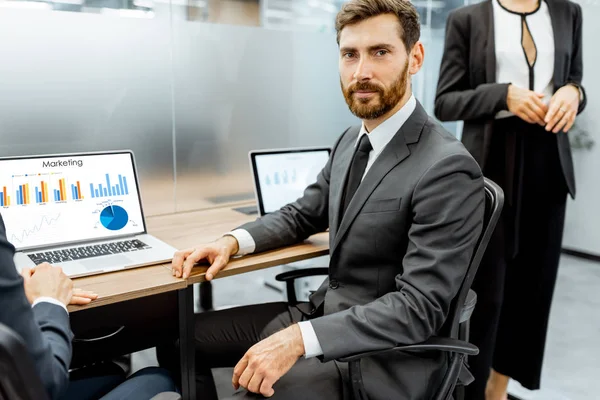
(312,347)
(49,300)
(245,241)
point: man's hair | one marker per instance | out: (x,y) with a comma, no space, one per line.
(356,11)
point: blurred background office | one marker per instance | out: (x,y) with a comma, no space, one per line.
(192,85)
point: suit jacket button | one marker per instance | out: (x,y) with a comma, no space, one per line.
(333,284)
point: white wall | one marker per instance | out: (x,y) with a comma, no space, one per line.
(582,227)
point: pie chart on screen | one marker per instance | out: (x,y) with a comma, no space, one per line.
(114,218)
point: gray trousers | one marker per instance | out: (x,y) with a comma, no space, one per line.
(223,337)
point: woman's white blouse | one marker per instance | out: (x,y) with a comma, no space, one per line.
(512,65)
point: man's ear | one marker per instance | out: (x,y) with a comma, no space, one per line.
(416,58)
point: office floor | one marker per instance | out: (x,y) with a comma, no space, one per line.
(571,363)
(572,351)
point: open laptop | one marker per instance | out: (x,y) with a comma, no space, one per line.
(281,175)
(80,211)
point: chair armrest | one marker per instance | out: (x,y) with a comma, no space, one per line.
(301,273)
(167,396)
(290,277)
(433,343)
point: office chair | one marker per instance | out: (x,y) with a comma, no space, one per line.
(18,377)
(456,328)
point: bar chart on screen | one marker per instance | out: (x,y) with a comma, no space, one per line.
(61,193)
(60,190)
(64,186)
(107,189)
(27,189)
(4,197)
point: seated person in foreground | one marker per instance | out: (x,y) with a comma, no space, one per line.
(404,204)
(34,306)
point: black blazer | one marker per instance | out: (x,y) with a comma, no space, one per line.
(467,89)
(45,328)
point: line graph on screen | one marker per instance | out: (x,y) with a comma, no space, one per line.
(46,221)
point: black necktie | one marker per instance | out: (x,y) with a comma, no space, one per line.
(357,170)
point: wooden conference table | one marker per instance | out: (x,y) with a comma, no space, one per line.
(144,307)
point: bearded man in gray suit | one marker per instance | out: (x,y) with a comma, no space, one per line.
(403,202)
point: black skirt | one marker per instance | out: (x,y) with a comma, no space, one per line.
(516,278)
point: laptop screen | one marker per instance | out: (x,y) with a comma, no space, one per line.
(54,200)
(282,176)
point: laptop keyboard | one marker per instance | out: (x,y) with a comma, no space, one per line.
(77,253)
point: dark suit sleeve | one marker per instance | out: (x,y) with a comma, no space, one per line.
(448,206)
(299,220)
(576,69)
(45,329)
(455,98)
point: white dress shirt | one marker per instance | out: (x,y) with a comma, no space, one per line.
(379,138)
(49,300)
(512,65)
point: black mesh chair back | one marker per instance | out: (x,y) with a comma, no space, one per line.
(494,201)
(18,377)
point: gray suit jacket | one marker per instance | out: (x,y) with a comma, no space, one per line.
(467,88)
(44,328)
(398,255)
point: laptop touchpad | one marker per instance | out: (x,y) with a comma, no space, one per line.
(106,262)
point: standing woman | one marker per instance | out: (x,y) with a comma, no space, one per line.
(512,72)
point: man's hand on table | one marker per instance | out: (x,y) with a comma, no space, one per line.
(46,280)
(216,253)
(82,297)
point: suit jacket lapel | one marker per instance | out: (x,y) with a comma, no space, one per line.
(559,34)
(342,168)
(396,151)
(490,43)
(489,49)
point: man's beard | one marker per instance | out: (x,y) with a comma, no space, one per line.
(381,102)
